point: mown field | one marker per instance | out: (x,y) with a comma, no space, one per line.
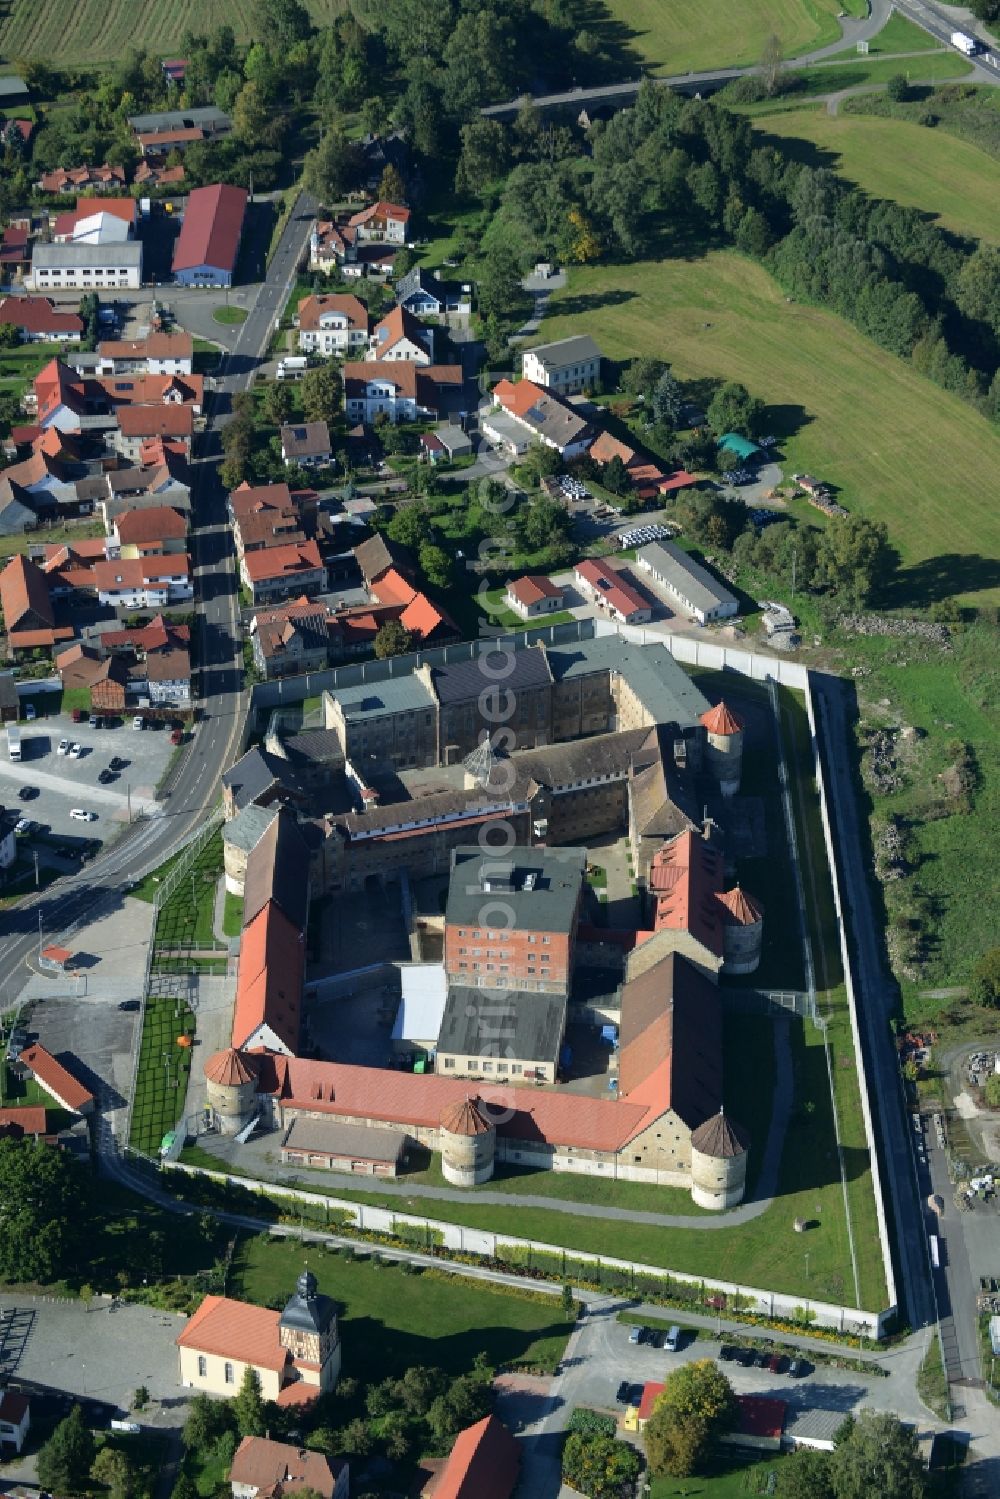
(897,448)
(674,35)
(900,160)
(91,31)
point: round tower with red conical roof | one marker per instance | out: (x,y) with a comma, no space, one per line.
(742,931)
(724,733)
(468,1143)
(718,1162)
(232,1090)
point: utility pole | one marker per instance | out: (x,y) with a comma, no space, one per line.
(35,853)
(794,560)
(128,795)
(39,934)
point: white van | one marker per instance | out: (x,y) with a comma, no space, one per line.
(673,1339)
(293,368)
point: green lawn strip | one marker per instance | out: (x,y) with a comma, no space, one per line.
(162,1075)
(49,536)
(689,35)
(902,35)
(229,315)
(23,1093)
(723,317)
(641,1319)
(726,1475)
(391,1320)
(187,917)
(232,914)
(830,77)
(932,1386)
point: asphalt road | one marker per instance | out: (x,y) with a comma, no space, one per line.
(76,899)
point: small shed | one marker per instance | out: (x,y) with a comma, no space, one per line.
(55,959)
(456,443)
(739,447)
(760,1423)
(9,703)
(432,446)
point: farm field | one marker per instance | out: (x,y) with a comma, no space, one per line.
(92,31)
(674,35)
(390,1320)
(843,408)
(897,159)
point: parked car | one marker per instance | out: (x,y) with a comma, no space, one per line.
(117,763)
(23,826)
(106,776)
(777,1363)
(176,735)
(63,748)
(29,712)
(797,1369)
(78,814)
(728,1353)
(77,715)
(129,1006)
(636,1334)
(75,751)
(94,721)
(623,1388)
(28,793)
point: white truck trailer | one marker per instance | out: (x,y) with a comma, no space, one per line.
(964,43)
(13,741)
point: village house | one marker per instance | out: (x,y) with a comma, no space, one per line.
(38,321)
(291,639)
(400,335)
(94,179)
(27,609)
(262,1469)
(156,354)
(425,295)
(542,415)
(612,592)
(567,366)
(306,444)
(176,129)
(332,324)
(533,595)
(143,582)
(278,572)
(399,390)
(382,221)
(646,477)
(154,532)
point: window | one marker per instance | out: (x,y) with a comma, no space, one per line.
(515,1068)
(230,1376)
(546,939)
(487,1066)
(202,1366)
(449,1062)
(501,1066)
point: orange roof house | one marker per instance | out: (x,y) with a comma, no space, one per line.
(269,986)
(686,880)
(271,1470)
(484,1464)
(613,592)
(54,1078)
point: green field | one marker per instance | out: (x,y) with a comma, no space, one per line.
(898,448)
(900,35)
(673,36)
(161,1081)
(391,1320)
(102,30)
(186,918)
(900,160)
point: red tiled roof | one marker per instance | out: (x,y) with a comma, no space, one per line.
(533,587)
(119,208)
(422,618)
(282,561)
(38,315)
(248,499)
(23,590)
(53,1077)
(398,324)
(213,222)
(62,179)
(157,345)
(157,523)
(26,1121)
(740,909)
(414,381)
(759,1416)
(278,1468)
(269,985)
(608,584)
(722,720)
(228,1068)
(686,878)
(136,572)
(484,1463)
(236,1330)
(311,310)
(155,420)
(651,1392)
(380,210)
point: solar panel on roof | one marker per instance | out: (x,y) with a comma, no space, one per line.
(536,413)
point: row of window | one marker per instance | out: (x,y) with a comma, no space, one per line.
(512,1069)
(475,931)
(229,1373)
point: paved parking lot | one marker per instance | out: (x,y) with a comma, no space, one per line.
(94,1036)
(63,783)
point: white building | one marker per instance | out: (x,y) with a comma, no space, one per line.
(81,267)
(15,1419)
(400,335)
(144,582)
(157,354)
(332,325)
(687,582)
(567,366)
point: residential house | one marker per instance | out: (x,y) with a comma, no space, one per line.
(57,1081)
(381,151)
(330,245)
(17,514)
(153,171)
(176,129)
(58,397)
(38,320)
(174,69)
(85,267)
(380,553)
(400,390)
(101,179)
(307,444)
(168,675)
(332,324)
(688,583)
(262,1469)
(533,595)
(382,221)
(426,296)
(291,639)
(207,247)
(15,1419)
(139,424)
(153,532)
(156,354)
(612,592)
(26,605)
(281,571)
(92,222)
(647,478)
(108,679)
(295,1352)
(484,1463)
(144,582)
(567,366)
(15,251)
(269,527)
(400,335)
(544,416)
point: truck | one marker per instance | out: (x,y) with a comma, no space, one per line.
(964,43)
(13,741)
(293,368)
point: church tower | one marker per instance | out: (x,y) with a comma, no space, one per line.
(308,1329)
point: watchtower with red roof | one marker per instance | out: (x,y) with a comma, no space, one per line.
(724,733)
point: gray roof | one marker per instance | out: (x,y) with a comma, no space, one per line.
(553,418)
(374,699)
(207,116)
(556,765)
(663,686)
(380,552)
(692,581)
(278,870)
(503,1023)
(539,887)
(307,1310)
(420,279)
(329,1137)
(566,351)
(313,746)
(256,772)
(462,681)
(12,87)
(127,253)
(305,439)
(249,825)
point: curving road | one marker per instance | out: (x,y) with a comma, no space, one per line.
(191,791)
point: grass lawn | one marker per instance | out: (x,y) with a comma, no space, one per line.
(498,614)
(161,1081)
(229,315)
(722,316)
(673,36)
(48,536)
(75,699)
(187,918)
(391,1320)
(901,160)
(726,1476)
(900,35)
(232,915)
(836,74)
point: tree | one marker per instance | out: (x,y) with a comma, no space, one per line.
(879,1455)
(615,476)
(734,409)
(277,404)
(410,526)
(419,1388)
(568,1304)
(805,1475)
(697,1403)
(984,987)
(184,1489)
(898,88)
(978,293)
(391,187)
(248,1406)
(435,564)
(64,1462)
(10,336)
(771,60)
(640,376)
(113,1469)
(484,157)
(40,1195)
(674,1446)
(598,1465)
(853,557)
(667,400)
(500,289)
(253,117)
(282,22)
(991,1092)
(207,1421)
(321,391)
(392,640)
(356,1439)
(332,168)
